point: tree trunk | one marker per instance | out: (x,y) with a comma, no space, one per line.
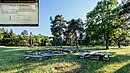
(119,45)
(76,39)
(81,42)
(81,36)
(55,41)
(60,42)
(107,44)
(30,41)
(93,45)
(77,42)
(72,42)
(110,43)
(107,41)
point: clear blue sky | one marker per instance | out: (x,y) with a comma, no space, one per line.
(68,8)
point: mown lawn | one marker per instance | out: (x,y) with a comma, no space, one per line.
(11,62)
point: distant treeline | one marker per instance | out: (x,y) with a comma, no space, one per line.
(9,38)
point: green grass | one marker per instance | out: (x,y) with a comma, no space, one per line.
(11,62)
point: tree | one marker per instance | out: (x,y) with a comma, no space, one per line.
(12,36)
(2,30)
(23,39)
(25,32)
(6,34)
(67,37)
(25,35)
(81,30)
(31,39)
(74,27)
(1,35)
(102,20)
(19,38)
(57,28)
(123,19)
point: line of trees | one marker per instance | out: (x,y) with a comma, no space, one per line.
(106,24)
(9,38)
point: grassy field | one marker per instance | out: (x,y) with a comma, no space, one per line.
(11,62)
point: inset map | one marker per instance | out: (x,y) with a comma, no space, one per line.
(18,13)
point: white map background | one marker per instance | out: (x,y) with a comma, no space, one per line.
(18,13)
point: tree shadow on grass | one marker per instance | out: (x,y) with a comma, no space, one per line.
(124,69)
(91,66)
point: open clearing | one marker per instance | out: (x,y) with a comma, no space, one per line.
(11,62)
